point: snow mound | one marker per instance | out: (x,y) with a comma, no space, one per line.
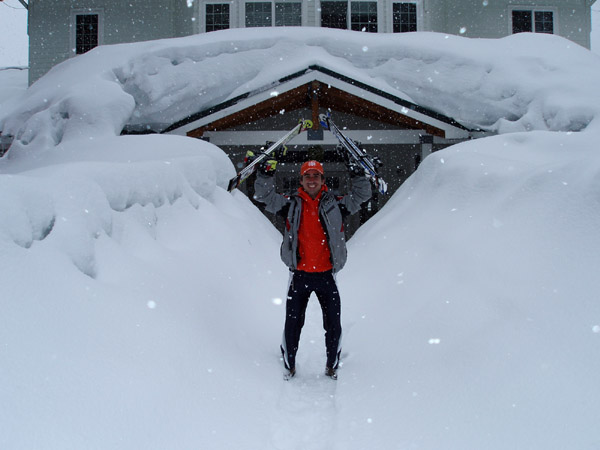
(72,193)
(522,82)
(117,284)
(13,82)
(486,261)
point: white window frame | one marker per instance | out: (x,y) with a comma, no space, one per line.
(303,6)
(73,26)
(390,21)
(533,9)
(380,22)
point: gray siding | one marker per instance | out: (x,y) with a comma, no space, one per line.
(572,18)
(50,26)
(51,34)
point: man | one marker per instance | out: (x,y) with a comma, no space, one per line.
(314,249)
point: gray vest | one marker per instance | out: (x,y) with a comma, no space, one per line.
(330,214)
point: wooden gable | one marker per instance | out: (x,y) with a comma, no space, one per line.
(318,88)
(315,95)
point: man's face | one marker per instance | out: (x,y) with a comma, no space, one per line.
(312,181)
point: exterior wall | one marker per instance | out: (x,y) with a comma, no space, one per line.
(49,39)
(51,22)
(51,26)
(400,156)
(493,19)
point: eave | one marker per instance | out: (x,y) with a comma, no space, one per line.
(318,87)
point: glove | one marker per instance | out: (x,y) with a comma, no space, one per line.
(268,167)
(342,154)
(355,169)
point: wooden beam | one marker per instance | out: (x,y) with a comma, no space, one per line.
(291,100)
(343,101)
(315,95)
(314,101)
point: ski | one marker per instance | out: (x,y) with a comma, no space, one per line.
(251,168)
(357,155)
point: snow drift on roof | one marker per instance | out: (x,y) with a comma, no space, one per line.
(522,82)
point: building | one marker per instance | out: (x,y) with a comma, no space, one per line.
(400,133)
(60,29)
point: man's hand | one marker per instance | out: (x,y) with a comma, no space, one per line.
(268,167)
(355,169)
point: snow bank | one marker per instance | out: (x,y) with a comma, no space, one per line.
(522,82)
(72,193)
(123,311)
(484,309)
(13,82)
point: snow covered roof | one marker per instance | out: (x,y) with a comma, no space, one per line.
(519,83)
(347,93)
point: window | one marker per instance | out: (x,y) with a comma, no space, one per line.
(527,21)
(521,21)
(217,16)
(86,32)
(334,15)
(404,17)
(363,16)
(288,14)
(259,14)
(544,22)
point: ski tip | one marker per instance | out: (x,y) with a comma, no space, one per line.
(382,187)
(324,121)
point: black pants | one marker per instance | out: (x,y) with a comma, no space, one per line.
(301,286)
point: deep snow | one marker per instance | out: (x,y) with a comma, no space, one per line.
(13,83)
(499,84)
(142,303)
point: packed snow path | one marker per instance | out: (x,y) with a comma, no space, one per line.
(148,314)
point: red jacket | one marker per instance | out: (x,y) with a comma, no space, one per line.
(312,240)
